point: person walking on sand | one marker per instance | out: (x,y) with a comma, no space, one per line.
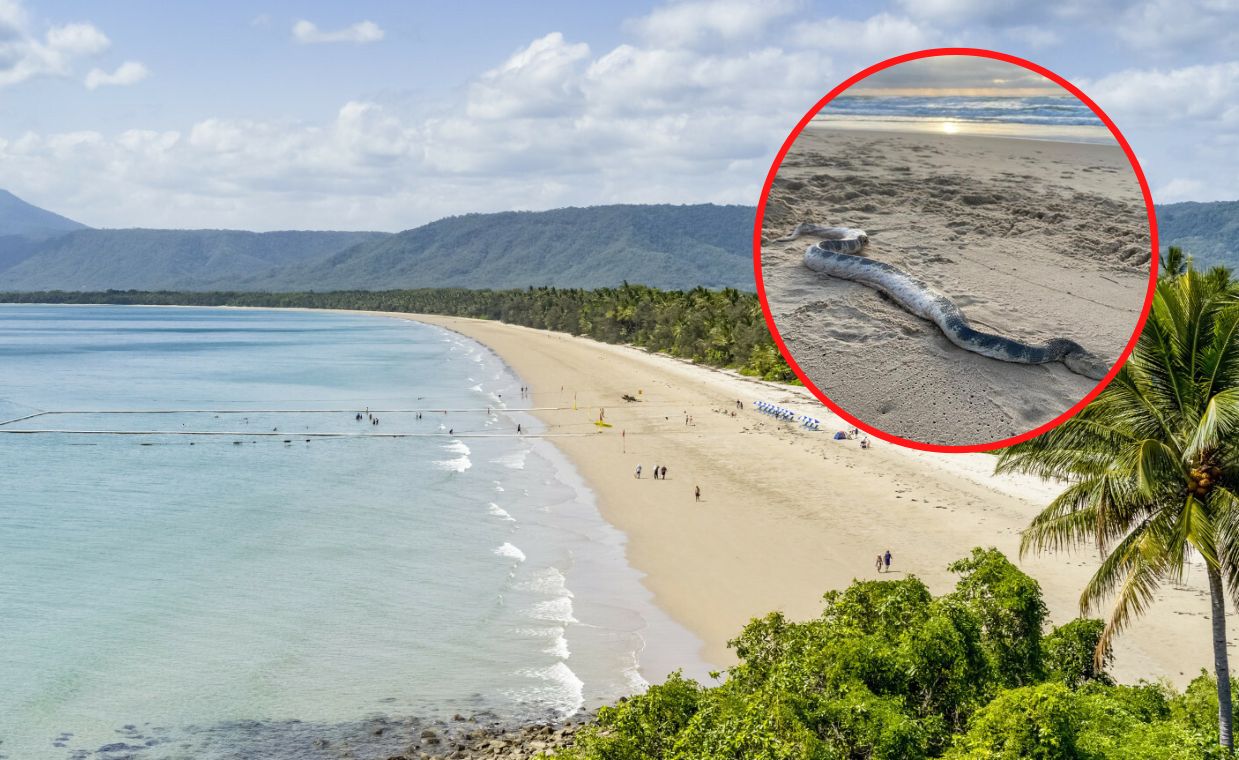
(877,563)
(663,475)
(697,493)
(638,473)
(886,559)
(655,472)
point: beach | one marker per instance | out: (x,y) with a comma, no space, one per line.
(787,514)
(1034,239)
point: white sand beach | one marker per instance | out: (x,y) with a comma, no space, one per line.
(787,514)
(1033,239)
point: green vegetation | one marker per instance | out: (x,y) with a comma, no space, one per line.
(720,328)
(1153,465)
(671,247)
(182,259)
(1208,230)
(888,672)
(665,246)
(675,247)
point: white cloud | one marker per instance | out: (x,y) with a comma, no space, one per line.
(876,37)
(129,72)
(689,106)
(25,55)
(541,79)
(957,11)
(1179,189)
(1199,94)
(1183,124)
(1033,35)
(77,39)
(688,22)
(1165,26)
(362,32)
(552,124)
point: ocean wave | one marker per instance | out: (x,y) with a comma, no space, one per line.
(559,646)
(499,512)
(510,551)
(1066,111)
(563,690)
(632,674)
(459,464)
(546,580)
(555,635)
(557,610)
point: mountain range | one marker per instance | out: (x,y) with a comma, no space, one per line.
(666,246)
(1208,232)
(673,247)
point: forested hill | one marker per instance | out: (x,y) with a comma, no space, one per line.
(158,259)
(664,246)
(1209,232)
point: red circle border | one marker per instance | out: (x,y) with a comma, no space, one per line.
(931,53)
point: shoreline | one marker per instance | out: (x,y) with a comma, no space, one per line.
(923,125)
(788,514)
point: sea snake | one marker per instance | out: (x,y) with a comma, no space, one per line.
(834,255)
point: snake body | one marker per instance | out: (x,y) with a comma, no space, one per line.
(835,255)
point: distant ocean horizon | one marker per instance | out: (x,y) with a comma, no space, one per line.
(180,596)
(1057,118)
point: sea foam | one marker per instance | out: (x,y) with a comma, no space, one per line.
(510,551)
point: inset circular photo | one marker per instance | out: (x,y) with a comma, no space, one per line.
(955,249)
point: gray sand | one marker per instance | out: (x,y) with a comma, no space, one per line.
(1032,239)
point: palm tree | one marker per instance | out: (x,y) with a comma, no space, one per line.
(1152,465)
(1174,263)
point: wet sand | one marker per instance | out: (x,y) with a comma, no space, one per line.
(1033,239)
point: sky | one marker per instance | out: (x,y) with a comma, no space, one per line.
(387,115)
(957,75)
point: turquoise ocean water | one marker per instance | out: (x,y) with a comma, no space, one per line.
(204,596)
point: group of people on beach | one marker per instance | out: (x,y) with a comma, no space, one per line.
(374,420)
(883,562)
(852,434)
(660,473)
